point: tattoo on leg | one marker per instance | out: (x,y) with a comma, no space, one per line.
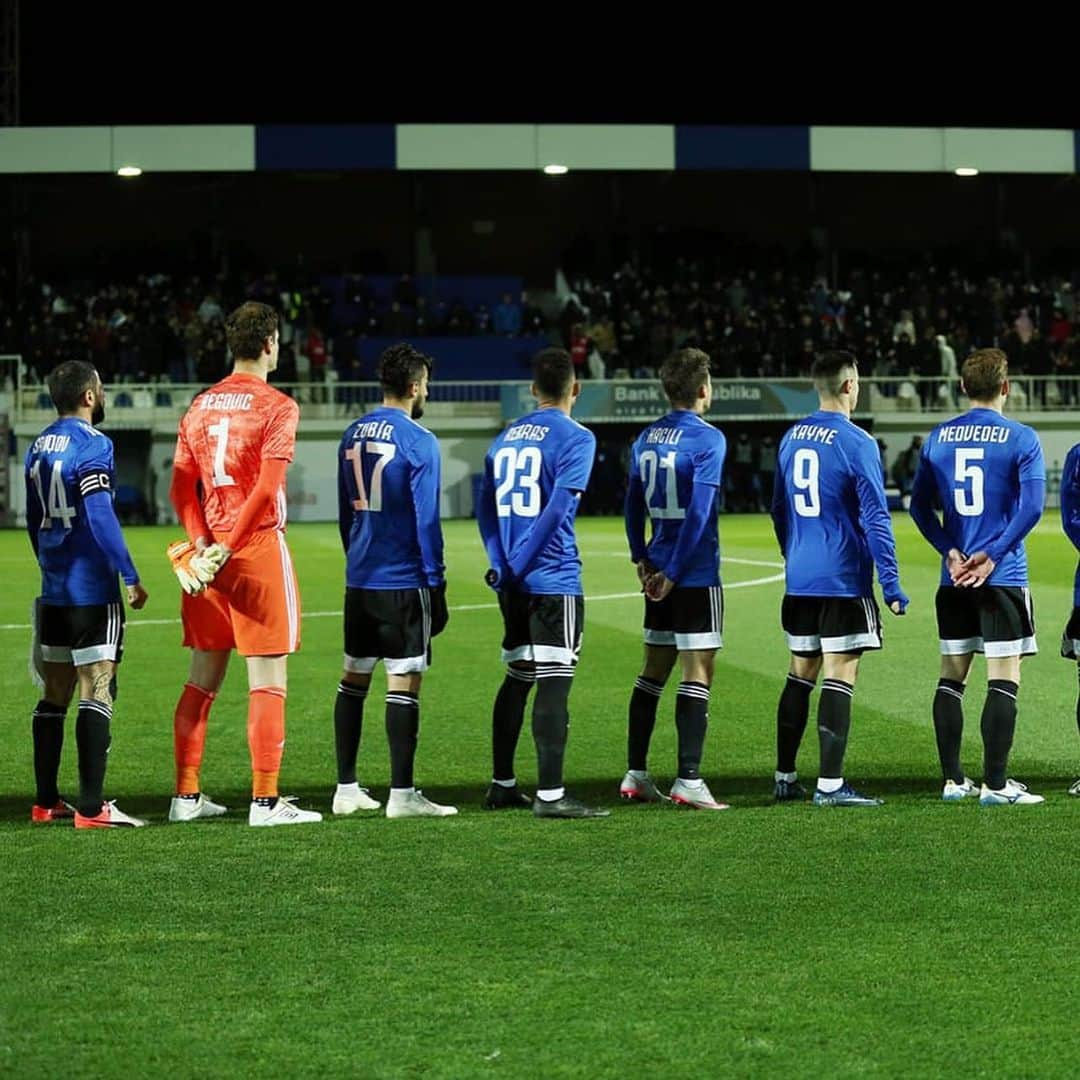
(99,686)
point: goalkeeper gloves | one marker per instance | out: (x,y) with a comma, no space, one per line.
(195,569)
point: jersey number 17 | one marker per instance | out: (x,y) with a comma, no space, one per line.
(369,496)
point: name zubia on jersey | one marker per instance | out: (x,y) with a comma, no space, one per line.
(668,435)
(226,402)
(963,433)
(379,430)
(527,432)
(813,433)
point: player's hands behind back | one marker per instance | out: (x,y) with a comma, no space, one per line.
(896,599)
(195,568)
(658,585)
(974,570)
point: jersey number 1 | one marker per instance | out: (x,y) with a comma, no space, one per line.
(220,432)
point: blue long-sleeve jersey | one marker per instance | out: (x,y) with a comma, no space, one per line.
(70,481)
(534,473)
(829,510)
(1070,508)
(675,473)
(986,473)
(388,503)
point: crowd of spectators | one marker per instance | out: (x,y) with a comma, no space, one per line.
(153,327)
(919,322)
(902,323)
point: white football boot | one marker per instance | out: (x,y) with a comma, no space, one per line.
(641,789)
(348,798)
(181,809)
(700,798)
(283,812)
(1012,794)
(413,804)
(954,792)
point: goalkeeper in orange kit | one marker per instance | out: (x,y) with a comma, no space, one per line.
(233,447)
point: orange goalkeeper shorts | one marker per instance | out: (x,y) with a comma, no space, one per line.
(252,605)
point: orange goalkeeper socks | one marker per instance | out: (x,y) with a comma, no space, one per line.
(189,736)
(266,739)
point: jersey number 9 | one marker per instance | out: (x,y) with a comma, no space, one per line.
(804,475)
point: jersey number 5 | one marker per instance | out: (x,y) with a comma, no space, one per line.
(968,503)
(56,506)
(518,469)
(805,469)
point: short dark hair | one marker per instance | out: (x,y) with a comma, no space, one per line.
(553,373)
(828,371)
(682,373)
(247,329)
(983,373)
(68,382)
(400,365)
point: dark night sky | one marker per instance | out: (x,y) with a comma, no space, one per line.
(144,64)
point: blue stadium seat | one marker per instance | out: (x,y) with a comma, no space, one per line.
(44,401)
(163,399)
(123,400)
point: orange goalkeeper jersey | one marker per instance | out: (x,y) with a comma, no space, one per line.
(226,433)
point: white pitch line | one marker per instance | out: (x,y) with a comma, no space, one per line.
(457,607)
(723,559)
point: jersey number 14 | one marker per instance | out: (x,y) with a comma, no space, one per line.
(55,507)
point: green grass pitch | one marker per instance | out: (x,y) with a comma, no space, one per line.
(916,939)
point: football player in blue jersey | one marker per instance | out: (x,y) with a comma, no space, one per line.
(1070,521)
(833,526)
(534,474)
(70,479)
(986,473)
(676,470)
(395,596)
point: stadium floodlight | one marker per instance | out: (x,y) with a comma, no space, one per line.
(555,170)
(966,170)
(129,170)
